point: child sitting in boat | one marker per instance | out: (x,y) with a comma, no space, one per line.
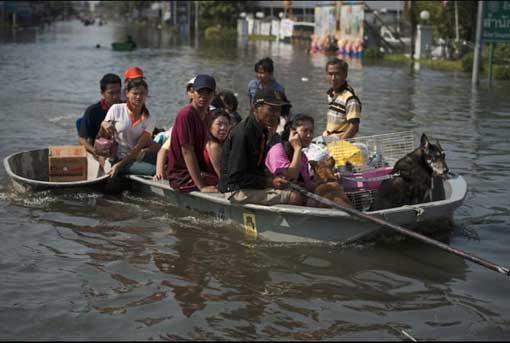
(88,126)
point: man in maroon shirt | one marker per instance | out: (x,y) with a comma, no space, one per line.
(189,136)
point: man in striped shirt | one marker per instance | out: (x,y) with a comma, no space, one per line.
(344,111)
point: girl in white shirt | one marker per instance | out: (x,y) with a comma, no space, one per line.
(132,126)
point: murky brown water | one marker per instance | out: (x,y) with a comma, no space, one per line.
(84,266)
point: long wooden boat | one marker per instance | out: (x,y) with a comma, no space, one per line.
(298,224)
(28,171)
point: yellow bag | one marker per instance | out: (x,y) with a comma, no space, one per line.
(344,151)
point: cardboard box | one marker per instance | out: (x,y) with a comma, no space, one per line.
(67,163)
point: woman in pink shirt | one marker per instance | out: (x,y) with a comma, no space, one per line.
(286,158)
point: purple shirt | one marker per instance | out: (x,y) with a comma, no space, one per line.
(190,129)
(278,161)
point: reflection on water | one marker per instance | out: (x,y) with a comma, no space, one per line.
(91,266)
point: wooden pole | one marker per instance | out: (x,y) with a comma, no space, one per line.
(404,231)
(491,58)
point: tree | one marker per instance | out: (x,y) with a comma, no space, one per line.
(442,17)
(223,13)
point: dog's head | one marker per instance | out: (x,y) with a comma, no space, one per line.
(434,156)
(324,170)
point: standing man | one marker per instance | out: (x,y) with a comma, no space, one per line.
(89,125)
(344,110)
(264,73)
(243,178)
(189,136)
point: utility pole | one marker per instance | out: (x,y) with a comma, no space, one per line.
(457,36)
(196,17)
(456,22)
(476,59)
(412,17)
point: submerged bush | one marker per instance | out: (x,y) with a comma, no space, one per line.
(372,53)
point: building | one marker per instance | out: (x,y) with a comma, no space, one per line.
(383,22)
(21,13)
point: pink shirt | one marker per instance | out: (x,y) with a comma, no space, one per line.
(278,161)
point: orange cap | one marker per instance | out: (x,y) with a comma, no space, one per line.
(133,73)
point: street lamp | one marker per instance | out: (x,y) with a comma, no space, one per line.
(425,16)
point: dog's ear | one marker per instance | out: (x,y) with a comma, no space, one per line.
(439,145)
(424,141)
(331,162)
(313,164)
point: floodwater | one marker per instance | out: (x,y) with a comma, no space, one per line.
(86,266)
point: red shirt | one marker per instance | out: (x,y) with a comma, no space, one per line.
(189,129)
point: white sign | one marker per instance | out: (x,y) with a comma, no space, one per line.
(286,28)
(265,29)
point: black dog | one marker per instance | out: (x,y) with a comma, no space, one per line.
(414,175)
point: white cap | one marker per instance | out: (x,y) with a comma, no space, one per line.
(190,82)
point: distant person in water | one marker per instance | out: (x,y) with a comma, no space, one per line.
(88,126)
(130,40)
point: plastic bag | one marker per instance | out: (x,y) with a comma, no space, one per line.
(105,147)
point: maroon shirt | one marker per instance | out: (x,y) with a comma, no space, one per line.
(188,129)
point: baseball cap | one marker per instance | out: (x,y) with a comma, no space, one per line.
(204,81)
(270,97)
(133,73)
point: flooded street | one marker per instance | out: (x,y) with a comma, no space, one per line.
(88,266)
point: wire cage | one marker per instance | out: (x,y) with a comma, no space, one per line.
(371,152)
(362,199)
(366,161)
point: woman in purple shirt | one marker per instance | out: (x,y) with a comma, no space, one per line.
(286,158)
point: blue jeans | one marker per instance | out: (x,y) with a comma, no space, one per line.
(147,166)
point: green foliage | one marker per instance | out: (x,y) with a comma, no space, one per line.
(443,17)
(502,53)
(501,72)
(218,32)
(261,38)
(467,62)
(59,8)
(123,8)
(372,53)
(223,13)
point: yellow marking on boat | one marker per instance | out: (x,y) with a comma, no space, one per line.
(250,224)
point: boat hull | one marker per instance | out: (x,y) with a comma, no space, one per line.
(298,224)
(123,46)
(28,171)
